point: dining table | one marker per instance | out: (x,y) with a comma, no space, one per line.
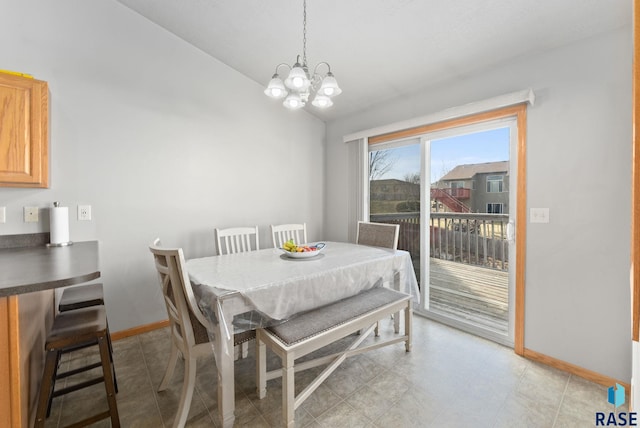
(249,290)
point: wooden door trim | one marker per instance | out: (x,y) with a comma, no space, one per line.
(635,179)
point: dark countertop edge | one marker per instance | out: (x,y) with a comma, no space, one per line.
(80,266)
(30,288)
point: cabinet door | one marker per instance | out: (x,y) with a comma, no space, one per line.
(24,133)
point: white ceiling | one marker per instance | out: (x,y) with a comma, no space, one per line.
(380,49)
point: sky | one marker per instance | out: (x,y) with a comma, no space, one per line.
(447,153)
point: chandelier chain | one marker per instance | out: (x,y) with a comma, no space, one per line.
(304,33)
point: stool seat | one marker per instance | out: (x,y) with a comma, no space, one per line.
(81,297)
(74,330)
(80,326)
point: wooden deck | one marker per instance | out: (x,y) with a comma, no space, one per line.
(469,293)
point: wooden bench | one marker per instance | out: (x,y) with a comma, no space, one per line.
(320,327)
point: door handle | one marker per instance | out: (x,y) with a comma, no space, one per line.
(511,232)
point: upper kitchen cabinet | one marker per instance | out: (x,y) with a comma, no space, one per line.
(24,132)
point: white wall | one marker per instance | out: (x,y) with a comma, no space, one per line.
(159,138)
(578,165)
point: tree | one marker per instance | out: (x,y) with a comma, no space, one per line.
(380,162)
(445,168)
(412,177)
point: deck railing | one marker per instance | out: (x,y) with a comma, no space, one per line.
(471,238)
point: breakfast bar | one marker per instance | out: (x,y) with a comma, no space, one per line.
(28,276)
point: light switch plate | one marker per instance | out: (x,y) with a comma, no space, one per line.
(539,215)
(31,214)
(3,214)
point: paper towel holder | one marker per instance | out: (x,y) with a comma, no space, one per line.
(59,244)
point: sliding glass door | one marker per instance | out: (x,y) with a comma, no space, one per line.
(453,194)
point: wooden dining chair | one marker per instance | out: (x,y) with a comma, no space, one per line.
(237,240)
(281,233)
(383,235)
(189,335)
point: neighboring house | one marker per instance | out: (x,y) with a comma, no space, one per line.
(480,187)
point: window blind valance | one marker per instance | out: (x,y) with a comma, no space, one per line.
(501,101)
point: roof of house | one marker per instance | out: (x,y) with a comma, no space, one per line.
(464,172)
(390,181)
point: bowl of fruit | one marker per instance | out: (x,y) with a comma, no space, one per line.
(301,251)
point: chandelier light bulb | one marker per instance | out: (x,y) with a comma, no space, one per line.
(297,79)
(276,88)
(330,86)
(322,101)
(293,102)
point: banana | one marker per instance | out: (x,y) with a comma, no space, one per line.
(290,246)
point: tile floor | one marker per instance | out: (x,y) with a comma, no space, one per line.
(450,379)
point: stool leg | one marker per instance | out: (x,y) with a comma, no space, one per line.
(55,374)
(113,367)
(46,387)
(108,381)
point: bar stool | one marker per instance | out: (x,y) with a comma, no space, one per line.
(81,296)
(73,330)
(85,296)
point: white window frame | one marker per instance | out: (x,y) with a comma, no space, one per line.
(492,179)
(500,204)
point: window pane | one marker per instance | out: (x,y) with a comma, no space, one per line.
(394,194)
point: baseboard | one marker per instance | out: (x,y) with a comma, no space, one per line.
(573,369)
(139,330)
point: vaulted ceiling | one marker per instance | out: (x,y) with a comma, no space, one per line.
(381,49)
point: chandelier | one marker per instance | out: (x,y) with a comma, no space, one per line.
(299,83)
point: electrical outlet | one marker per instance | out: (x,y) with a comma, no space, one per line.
(3,214)
(31,214)
(84,212)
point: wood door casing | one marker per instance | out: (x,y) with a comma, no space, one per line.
(635,179)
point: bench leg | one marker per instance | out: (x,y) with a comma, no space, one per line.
(408,327)
(288,391)
(396,322)
(396,316)
(261,367)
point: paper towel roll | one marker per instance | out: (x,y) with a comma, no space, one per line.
(59,223)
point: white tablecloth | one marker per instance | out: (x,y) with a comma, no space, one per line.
(278,286)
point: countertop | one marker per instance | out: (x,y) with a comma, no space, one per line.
(29,269)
